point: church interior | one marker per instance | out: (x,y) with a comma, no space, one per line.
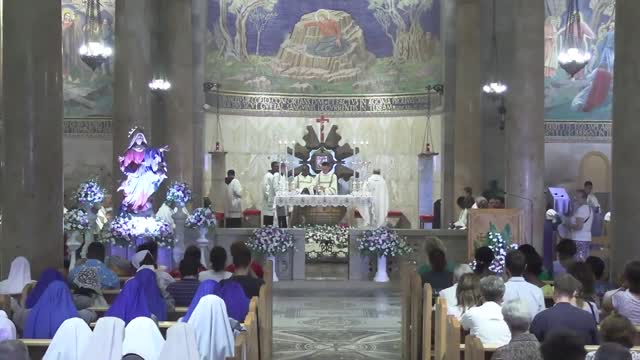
(319,179)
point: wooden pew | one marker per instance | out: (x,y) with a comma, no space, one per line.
(251,326)
(473,348)
(427,320)
(416,316)
(406,269)
(440,330)
(110,295)
(264,316)
(452,338)
(171,316)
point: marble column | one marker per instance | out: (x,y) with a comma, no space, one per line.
(448,31)
(626,131)
(179,99)
(33,111)
(524,129)
(467,119)
(132,73)
(199,31)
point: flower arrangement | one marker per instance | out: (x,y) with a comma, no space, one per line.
(326,240)
(76,220)
(201,218)
(178,194)
(270,241)
(382,242)
(125,228)
(90,193)
(500,243)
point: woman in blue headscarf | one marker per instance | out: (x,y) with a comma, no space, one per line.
(54,306)
(130,303)
(48,276)
(207,287)
(235,299)
(155,300)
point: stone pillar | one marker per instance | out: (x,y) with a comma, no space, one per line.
(468,85)
(132,73)
(524,129)
(448,33)
(199,31)
(33,111)
(179,101)
(626,130)
(218,190)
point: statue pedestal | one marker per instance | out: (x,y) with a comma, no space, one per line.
(179,218)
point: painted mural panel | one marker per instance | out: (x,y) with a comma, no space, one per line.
(587,97)
(86,92)
(324,46)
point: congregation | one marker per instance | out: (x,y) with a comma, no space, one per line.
(71,307)
(529,312)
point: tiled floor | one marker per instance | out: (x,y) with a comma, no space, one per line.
(336,320)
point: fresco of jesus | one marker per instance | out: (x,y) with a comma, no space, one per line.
(331,42)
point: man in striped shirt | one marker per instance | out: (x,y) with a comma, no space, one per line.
(183,290)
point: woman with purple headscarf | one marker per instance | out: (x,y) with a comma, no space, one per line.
(130,303)
(207,287)
(48,276)
(155,300)
(54,306)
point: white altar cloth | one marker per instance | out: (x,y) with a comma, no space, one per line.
(362,201)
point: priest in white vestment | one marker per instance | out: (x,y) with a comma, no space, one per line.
(326,182)
(268,194)
(377,187)
(233,201)
(304,181)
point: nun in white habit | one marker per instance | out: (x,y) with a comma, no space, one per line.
(19,276)
(7,328)
(143,338)
(213,330)
(70,341)
(106,341)
(181,343)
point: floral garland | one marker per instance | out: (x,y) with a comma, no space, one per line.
(178,194)
(500,244)
(122,230)
(201,218)
(382,242)
(90,193)
(326,240)
(76,220)
(271,241)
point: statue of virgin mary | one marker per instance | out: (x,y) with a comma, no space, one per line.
(145,169)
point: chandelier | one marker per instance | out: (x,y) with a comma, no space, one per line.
(159,85)
(574,57)
(494,87)
(93,50)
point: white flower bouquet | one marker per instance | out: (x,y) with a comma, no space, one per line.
(201,218)
(90,193)
(326,240)
(500,243)
(125,228)
(271,241)
(75,220)
(382,242)
(178,194)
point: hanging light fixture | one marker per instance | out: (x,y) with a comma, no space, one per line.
(494,87)
(93,50)
(574,57)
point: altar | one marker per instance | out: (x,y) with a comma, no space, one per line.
(324,209)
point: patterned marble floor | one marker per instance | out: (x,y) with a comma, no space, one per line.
(336,320)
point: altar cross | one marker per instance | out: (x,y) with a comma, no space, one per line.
(321,121)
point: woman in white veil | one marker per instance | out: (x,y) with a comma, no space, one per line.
(70,341)
(213,330)
(19,276)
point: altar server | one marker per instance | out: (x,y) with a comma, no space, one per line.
(233,205)
(280,183)
(52,309)
(213,329)
(70,341)
(106,341)
(304,181)
(326,182)
(143,338)
(19,276)
(377,187)
(181,343)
